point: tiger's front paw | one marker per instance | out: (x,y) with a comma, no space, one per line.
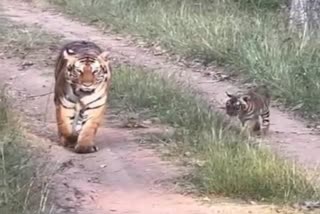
(85,149)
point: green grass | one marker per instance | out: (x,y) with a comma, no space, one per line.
(232,167)
(23,187)
(250,35)
(20,41)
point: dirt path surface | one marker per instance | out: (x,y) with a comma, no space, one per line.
(124,177)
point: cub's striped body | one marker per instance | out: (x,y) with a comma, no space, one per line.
(251,107)
(82,80)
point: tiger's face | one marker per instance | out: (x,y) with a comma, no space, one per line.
(235,104)
(86,73)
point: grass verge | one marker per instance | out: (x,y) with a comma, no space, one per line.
(232,167)
(20,41)
(23,188)
(252,39)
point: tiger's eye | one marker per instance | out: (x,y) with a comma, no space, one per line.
(70,67)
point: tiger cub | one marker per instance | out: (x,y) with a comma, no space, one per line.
(251,107)
(82,82)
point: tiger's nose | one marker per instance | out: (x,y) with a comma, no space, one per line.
(87,84)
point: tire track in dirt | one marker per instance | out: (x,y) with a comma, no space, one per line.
(287,135)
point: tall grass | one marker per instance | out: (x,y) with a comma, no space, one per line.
(250,35)
(232,167)
(23,189)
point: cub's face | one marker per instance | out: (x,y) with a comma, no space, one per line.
(237,103)
(87,73)
(233,105)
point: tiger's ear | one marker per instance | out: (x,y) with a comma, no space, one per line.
(104,56)
(104,59)
(108,68)
(68,54)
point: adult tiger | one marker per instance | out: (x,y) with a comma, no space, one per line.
(250,107)
(82,80)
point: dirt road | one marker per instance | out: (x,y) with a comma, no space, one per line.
(124,177)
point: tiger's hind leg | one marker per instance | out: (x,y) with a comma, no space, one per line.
(85,143)
(257,127)
(265,124)
(64,125)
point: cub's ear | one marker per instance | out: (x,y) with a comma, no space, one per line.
(245,98)
(68,54)
(229,95)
